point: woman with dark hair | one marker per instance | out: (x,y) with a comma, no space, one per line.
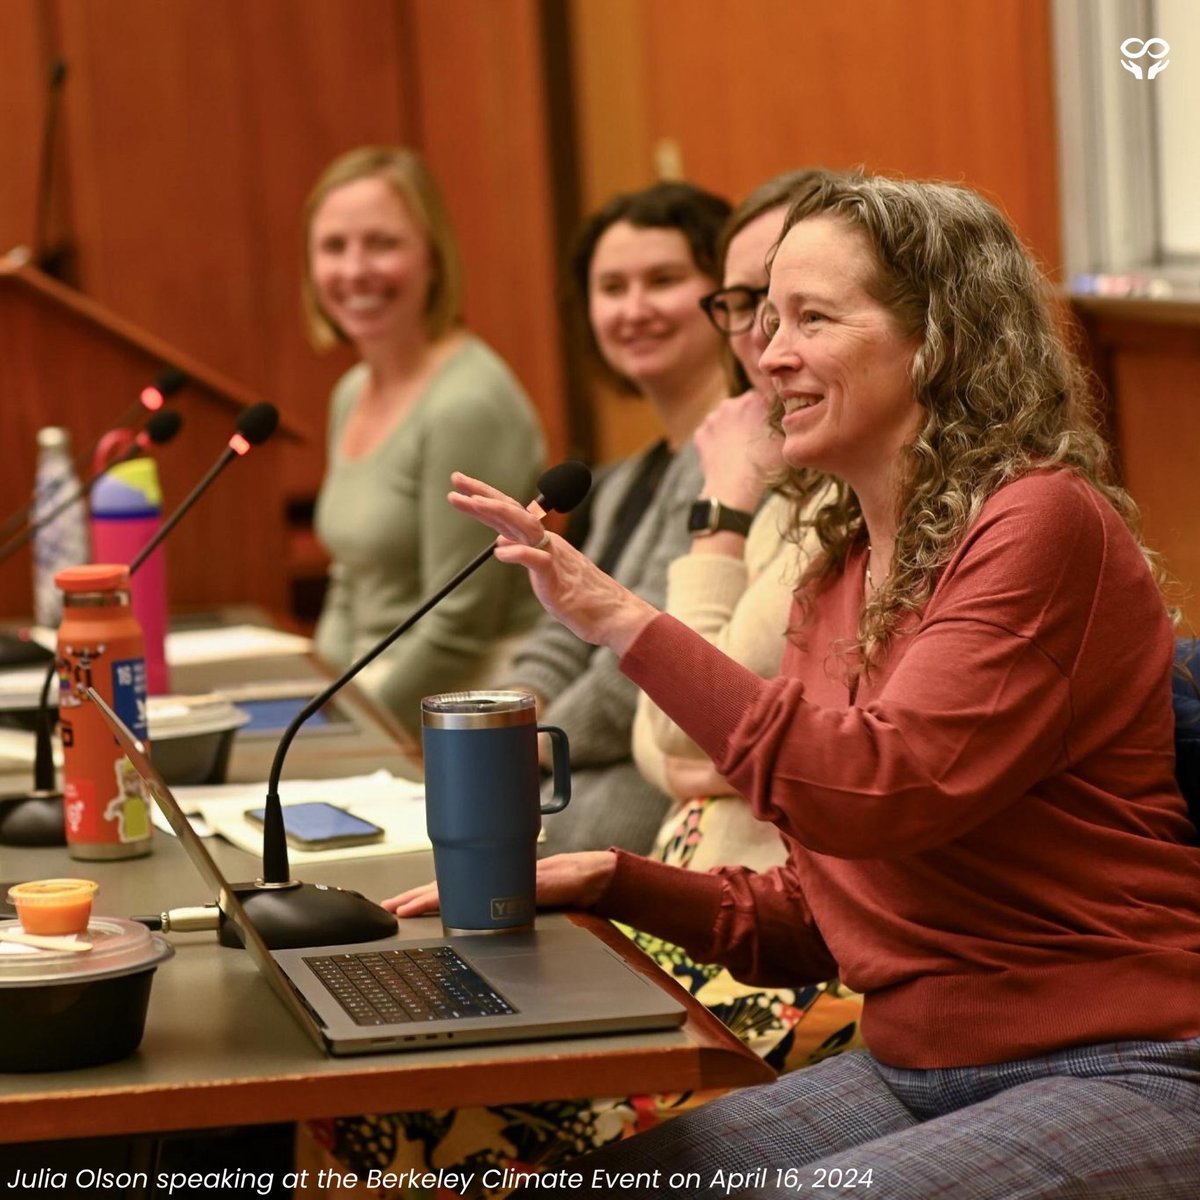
(968,749)
(382,273)
(640,267)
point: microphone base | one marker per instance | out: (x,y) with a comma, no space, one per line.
(32,818)
(296,915)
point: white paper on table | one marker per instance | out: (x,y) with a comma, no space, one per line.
(23,684)
(396,805)
(18,749)
(231,642)
(205,645)
(21,688)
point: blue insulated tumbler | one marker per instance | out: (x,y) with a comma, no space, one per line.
(482,805)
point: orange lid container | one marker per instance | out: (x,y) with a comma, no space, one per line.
(94,577)
(53,905)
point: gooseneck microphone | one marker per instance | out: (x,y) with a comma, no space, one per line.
(151,398)
(254,426)
(289,913)
(154,395)
(35,818)
(160,429)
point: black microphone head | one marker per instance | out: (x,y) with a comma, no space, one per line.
(258,422)
(564,486)
(58,72)
(163,426)
(171,381)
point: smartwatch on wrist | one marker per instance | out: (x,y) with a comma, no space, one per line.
(709,516)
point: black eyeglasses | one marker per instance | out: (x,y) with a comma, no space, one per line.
(733,309)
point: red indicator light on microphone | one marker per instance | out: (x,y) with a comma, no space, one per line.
(238,444)
(152,398)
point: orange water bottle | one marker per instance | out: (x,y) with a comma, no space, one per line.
(100,646)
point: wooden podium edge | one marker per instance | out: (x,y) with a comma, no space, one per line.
(228,391)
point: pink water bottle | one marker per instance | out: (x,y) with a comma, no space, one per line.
(126,507)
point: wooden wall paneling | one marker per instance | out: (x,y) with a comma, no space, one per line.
(232,109)
(611,73)
(1160,434)
(923,88)
(615,132)
(23,90)
(566,186)
(482,126)
(162,183)
(200,127)
(163,172)
(1154,369)
(322,79)
(64,361)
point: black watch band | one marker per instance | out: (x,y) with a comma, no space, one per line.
(710,516)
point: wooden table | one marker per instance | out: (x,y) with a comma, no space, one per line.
(220,1049)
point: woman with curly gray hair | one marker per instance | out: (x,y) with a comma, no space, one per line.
(968,749)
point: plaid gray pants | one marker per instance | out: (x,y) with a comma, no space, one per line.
(1111,1122)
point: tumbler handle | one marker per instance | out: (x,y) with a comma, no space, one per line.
(561,751)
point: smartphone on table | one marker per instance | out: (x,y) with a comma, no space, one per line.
(318,825)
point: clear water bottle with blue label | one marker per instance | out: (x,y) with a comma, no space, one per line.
(62,542)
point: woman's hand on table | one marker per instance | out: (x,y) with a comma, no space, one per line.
(569,586)
(563,881)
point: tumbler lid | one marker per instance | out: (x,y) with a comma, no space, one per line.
(478,710)
(128,489)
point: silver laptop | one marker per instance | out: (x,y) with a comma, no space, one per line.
(399,994)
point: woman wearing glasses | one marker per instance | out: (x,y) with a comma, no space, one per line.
(736,584)
(736,588)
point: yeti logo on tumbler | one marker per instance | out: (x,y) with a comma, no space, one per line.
(508,908)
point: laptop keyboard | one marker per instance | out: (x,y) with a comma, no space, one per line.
(390,987)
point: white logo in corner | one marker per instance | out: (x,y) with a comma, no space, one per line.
(1154,48)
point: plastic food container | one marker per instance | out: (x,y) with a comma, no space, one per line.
(60,1010)
(50,906)
(191,736)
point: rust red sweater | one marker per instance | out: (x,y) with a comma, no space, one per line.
(987,840)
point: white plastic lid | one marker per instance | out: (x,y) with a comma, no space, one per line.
(119,947)
(185,716)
